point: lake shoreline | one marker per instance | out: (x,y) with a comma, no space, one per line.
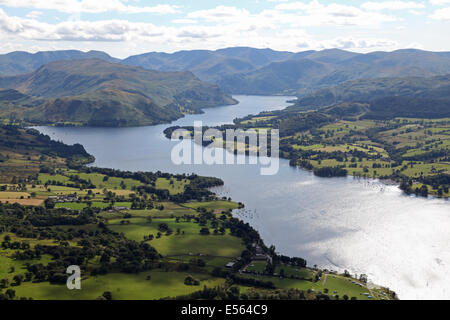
(340,219)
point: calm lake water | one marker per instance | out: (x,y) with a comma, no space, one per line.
(363,226)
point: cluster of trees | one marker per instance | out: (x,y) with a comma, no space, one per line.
(190,281)
(293,261)
(233,293)
(439,182)
(329,172)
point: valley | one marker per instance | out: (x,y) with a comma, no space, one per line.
(106,203)
(339,224)
(140,235)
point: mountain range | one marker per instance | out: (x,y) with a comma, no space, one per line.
(366,90)
(382,98)
(243,70)
(99,93)
(20,62)
(93,88)
(308,71)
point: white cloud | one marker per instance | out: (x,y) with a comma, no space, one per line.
(88,6)
(184,37)
(439,2)
(316,14)
(295,14)
(353,43)
(109,30)
(300,6)
(184,21)
(197,33)
(220,13)
(288,26)
(441,14)
(392,5)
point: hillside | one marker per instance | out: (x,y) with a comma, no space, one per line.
(96,92)
(310,70)
(369,90)
(277,78)
(19,62)
(396,129)
(209,65)
(244,70)
(263,71)
(27,146)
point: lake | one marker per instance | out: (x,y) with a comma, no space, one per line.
(359,225)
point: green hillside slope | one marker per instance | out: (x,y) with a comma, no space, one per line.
(96,92)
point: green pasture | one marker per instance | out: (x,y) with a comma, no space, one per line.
(191,242)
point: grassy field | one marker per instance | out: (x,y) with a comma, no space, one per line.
(173,185)
(333,284)
(46,178)
(32,241)
(211,262)
(257,266)
(96,178)
(294,271)
(191,242)
(213,205)
(374,149)
(81,205)
(24,202)
(170,210)
(7,265)
(122,286)
(14,195)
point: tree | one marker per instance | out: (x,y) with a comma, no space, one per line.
(190,281)
(49,204)
(107,295)
(270,268)
(18,279)
(105,258)
(11,294)
(4,283)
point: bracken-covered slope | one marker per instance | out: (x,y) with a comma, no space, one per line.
(96,92)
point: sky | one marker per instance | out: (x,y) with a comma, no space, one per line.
(128,27)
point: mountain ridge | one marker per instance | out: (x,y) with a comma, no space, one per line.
(246,70)
(96,92)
